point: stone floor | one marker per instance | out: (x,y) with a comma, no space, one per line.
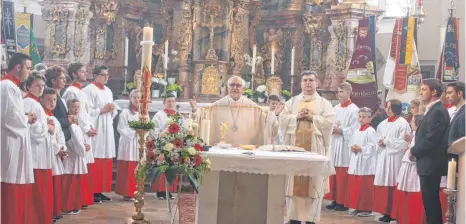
(118,211)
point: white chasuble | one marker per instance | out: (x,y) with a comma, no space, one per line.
(389,157)
(305,193)
(246,121)
(348,122)
(16,161)
(103,143)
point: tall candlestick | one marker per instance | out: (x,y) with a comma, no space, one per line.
(273,60)
(126,52)
(254,51)
(165,64)
(147,43)
(451,175)
(292,61)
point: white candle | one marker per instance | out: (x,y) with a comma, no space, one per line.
(126,52)
(165,65)
(254,51)
(273,60)
(205,131)
(148,33)
(187,123)
(451,179)
(292,61)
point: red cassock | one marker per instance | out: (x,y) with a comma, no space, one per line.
(338,184)
(383,199)
(102,176)
(89,194)
(125,181)
(159,184)
(15,198)
(359,192)
(57,195)
(443,202)
(73,192)
(408,208)
(41,205)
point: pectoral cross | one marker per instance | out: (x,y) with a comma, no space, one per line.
(212,13)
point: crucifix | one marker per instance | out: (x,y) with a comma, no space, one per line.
(212,11)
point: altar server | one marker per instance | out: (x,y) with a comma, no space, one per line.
(17,175)
(407,203)
(361,171)
(347,124)
(128,153)
(391,145)
(75,180)
(79,75)
(102,111)
(161,119)
(271,134)
(42,196)
(307,122)
(48,100)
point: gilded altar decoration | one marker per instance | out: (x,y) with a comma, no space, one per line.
(185,32)
(59,30)
(82,18)
(313,25)
(341,50)
(210,81)
(274,39)
(274,86)
(106,11)
(100,42)
(237,14)
(212,11)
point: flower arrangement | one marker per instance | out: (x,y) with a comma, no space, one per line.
(177,150)
(158,83)
(248,93)
(141,125)
(261,93)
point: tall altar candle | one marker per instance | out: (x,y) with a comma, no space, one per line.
(147,43)
(148,33)
(292,61)
(126,52)
(451,175)
(254,52)
(165,62)
(205,131)
(273,60)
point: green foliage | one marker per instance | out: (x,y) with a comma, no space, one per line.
(248,92)
(130,85)
(141,125)
(174,87)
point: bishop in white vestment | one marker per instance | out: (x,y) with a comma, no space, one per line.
(347,124)
(390,149)
(17,174)
(307,121)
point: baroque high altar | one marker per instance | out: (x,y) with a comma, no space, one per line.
(209,40)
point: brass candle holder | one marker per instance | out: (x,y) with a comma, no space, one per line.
(138,216)
(451,201)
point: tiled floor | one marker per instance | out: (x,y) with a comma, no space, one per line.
(118,211)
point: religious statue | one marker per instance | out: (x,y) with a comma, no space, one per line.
(274,39)
(237,15)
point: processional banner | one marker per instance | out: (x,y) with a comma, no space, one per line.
(402,72)
(361,73)
(23,32)
(8,15)
(449,59)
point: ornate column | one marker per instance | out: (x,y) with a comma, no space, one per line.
(67,31)
(105,31)
(185,44)
(237,16)
(343,30)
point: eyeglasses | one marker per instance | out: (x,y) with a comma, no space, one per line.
(237,85)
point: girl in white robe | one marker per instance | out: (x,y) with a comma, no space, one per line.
(361,171)
(128,153)
(407,203)
(42,195)
(75,179)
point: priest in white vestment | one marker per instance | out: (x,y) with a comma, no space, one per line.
(347,124)
(307,121)
(390,149)
(102,112)
(17,174)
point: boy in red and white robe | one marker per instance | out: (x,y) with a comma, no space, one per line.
(363,158)
(42,151)
(407,203)
(390,149)
(347,124)
(128,153)
(17,176)
(75,179)
(48,100)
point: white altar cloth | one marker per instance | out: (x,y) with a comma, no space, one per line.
(245,188)
(157,105)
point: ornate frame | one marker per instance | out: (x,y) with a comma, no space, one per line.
(209,81)
(98,54)
(341,32)
(79,41)
(59,14)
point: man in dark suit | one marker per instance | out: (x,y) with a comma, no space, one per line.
(455,96)
(430,149)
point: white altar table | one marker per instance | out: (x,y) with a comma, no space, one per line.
(250,188)
(157,105)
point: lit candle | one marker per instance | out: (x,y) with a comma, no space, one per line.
(165,65)
(292,61)
(451,175)
(273,60)
(147,43)
(148,33)
(126,52)
(254,51)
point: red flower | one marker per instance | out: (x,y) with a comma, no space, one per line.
(150,156)
(197,160)
(173,128)
(178,143)
(150,145)
(199,147)
(169,112)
